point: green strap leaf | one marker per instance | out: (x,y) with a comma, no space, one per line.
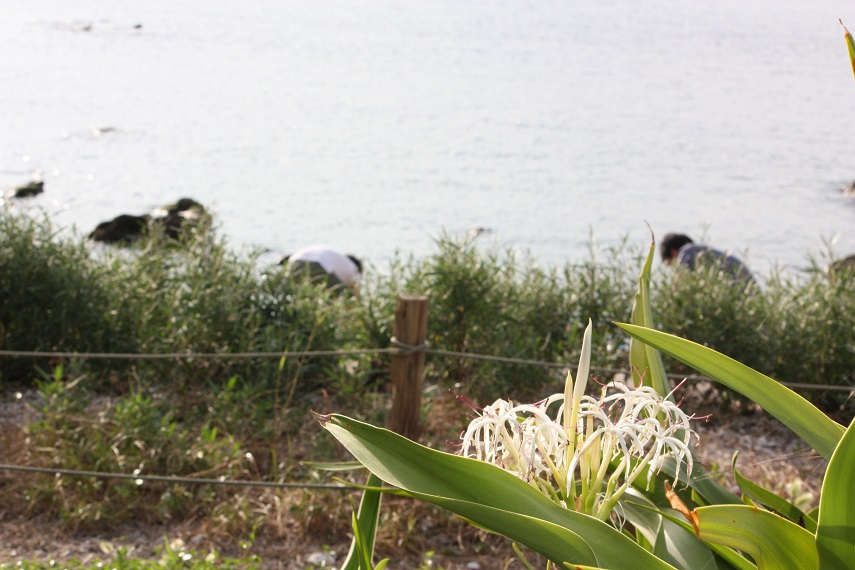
(645,361)
(502,502)
(726,553)
(648,368)
(553,541)
(365,525)
(669,541)
(835,531)
(774,542)
(806,420)
(850,44)
(333,466)
(770,500)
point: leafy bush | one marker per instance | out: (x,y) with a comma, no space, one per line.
(495,304)
(141,433)
(799,329)
(53,297)
(57,293)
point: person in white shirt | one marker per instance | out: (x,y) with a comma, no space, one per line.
(325,264)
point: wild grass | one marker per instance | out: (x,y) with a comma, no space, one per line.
(246,418)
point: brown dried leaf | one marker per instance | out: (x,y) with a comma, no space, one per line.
(678,505)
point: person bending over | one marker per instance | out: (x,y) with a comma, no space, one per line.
(326,265)
(679,250)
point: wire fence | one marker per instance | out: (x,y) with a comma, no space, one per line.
(398,348)
(140,478)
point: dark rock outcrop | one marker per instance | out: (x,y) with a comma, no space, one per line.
(34,188)
(122,229)
(842,266)
(184,213)
(184,205)
(171,220)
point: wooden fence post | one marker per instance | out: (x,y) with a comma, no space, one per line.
(411,315)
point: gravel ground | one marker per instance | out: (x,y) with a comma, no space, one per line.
(768,453)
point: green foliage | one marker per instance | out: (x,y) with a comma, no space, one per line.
(203,298)
(57,293)
(139,433)
(194,415)
(799,329)
(364,524)
(501,304)
(524,487)
(53,297)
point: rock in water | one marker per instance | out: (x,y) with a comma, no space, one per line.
(122,229)
(34,188)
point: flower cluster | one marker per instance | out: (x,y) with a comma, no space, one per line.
(591,450)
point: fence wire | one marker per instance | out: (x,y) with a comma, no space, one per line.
(398,348)
(140,478)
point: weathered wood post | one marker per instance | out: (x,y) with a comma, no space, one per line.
(410,328)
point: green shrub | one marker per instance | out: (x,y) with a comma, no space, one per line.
(494,304)
(57,293)
(141,433)
(53,297)
(798,329)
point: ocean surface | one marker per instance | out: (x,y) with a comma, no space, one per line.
(377,126)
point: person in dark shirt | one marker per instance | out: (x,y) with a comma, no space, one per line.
(680,250)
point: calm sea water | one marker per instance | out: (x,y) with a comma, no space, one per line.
(375,126)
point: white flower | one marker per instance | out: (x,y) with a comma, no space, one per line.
(590,450)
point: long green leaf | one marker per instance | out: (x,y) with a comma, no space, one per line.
(549,539)
(835,531)
(850,44)
(770,500)
(805,419)
(645,361)
(365,525)
(333,466)
(504,503)
(360,557)
(725,553)
(647,367)
(774,542)
(670,542)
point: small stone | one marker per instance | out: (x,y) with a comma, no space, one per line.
(34,188)
(321,559)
